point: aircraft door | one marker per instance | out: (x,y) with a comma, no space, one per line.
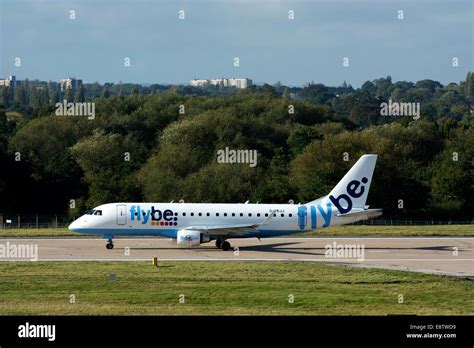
(121,214)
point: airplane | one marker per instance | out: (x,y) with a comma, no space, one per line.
(192,224)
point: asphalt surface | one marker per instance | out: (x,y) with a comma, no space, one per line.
(452,256)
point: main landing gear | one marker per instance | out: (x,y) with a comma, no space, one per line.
(109,245)
(222,244)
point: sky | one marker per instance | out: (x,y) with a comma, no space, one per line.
(271,47)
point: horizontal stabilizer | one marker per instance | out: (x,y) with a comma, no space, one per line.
(364,214)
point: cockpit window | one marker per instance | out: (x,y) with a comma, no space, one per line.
(89,212)
(98,212)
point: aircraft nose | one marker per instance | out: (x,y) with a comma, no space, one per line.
(75,225)
(72,226)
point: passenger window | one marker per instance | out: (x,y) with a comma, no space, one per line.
(233,214)
(266,214)
(208,214)
(192,214)
(184,214)
(225,214)
(282,215)
(98,212)
(200,214)
(217,214)
(290,215)
(258,214)
(250,214)
(241,214)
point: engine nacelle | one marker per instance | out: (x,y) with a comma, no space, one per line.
(191,238)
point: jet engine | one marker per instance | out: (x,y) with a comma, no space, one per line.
(191,238)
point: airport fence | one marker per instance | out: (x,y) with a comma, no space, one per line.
(62,221)
(34,221)
(414,222)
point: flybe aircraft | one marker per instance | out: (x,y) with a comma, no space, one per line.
(194,223)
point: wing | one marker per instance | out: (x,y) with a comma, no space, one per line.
(233,230)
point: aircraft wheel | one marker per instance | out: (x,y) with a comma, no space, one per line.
(218,243)
(225,245)
(109,245)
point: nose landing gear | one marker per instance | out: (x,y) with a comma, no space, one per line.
(110,244)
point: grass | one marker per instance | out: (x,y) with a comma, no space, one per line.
(218,288)
(351,230)
(39,232)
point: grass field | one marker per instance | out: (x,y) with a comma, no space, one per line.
(351,230)
(39,232)
(217,288)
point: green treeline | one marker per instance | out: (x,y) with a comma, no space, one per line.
(163,146)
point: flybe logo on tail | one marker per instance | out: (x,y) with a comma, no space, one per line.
(354,190)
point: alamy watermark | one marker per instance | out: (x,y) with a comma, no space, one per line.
(345,251)
(237,156)
(400,109)
(19,251)
(75,109)
(37,331)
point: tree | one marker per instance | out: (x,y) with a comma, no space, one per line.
(368,87)
(44,97)
(53,175)
(5,97)
(105,93)
(317,93)
(301,136)
(364,108)
(431,85)
(35,98)
(80,95)
(20,95)
(383,86)
(451,174)
(108,162)
(469,85)
(268,90)
(68,96)
(53,90)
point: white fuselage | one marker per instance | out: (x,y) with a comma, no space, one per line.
(165,219)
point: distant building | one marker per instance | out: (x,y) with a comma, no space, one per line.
(239,83)
(71,83)
(11,81)
(234,82)
(199,83)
